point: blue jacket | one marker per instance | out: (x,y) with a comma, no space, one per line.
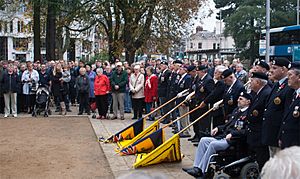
(10,82)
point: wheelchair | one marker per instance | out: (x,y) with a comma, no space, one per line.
(234,162)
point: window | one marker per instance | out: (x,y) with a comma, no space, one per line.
(11,26)
(5,27)
(21,26)
(0,26)
(218,46)
(285,37)
(214,45)
(20,44)
(191,45)
(199,45)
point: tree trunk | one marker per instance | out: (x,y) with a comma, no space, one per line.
(51,30)
(37,30)
(130,55)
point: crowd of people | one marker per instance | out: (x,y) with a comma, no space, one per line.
(260,106)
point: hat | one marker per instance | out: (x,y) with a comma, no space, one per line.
(201,67)
(191,68)
(246,95)
(177,62)
(281,61)
(294,65)
(164,63)
(185,67)
(227,73)
(88,65)
(263,64)
(259,75)
(119,64)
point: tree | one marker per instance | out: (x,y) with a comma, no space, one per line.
(37,29)
(245,19)
(51,30)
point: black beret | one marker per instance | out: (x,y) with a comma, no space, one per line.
(227,73)
(294,65)
(185,67)
(191,68)
(246,95)
(259,75)
(263,64)
(201,67)
(177,62)
(164,63)
(281,61)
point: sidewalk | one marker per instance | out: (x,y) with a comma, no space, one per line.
(121,165)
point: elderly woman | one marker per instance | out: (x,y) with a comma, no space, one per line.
(136,86)
(91,74)
(30,79)
(150,89)
(101,88)
(83,88)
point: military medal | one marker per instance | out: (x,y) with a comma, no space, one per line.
(296,113)
(202,89)
(255,113)
(277,101)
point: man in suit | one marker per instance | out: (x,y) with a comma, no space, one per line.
(260,91)
(184,83)
(163,77)
(222,136)
(289,133)
(172,86)
(275,105)
(233,89)
(204,87)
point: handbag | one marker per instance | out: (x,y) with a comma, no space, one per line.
(130,92)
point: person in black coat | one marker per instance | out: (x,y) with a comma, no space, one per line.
(275,105)
(261,90)
(289,133)
(204,87)
(233,89)
(163,77)
(222,136)
(83,88)
(9,83)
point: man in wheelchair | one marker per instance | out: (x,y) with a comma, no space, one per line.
(222,136)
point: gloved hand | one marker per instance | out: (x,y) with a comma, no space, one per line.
(217,104)
(188,97)
(182,93)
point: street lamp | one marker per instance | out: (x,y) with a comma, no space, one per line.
(267,57)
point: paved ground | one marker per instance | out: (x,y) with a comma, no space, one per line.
(116,165)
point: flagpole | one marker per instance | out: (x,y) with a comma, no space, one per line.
(203,115)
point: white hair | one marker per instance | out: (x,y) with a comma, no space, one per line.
(221,68)
(99,70)
(137,67)
(240,65)
(285,164)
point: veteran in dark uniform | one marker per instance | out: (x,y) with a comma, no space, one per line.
(184,83)
(275,105)
(260,91)
(233,89)
(204,87)
(289,133)
(163,77)
(172,86)
(263,67)
(222,137)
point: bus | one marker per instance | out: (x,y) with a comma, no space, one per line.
(284,42)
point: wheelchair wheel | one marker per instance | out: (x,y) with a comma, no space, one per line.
(250,171)
(222,176)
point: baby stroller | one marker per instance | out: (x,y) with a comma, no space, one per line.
(42,102)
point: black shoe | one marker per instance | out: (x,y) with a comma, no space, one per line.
(134,118)
(80,113)
(196,140)
(196,144)
(122,118)
(190,139)
(184,135)
(114,117)
(88,113)
(187,169)
(69,110)
(195,172)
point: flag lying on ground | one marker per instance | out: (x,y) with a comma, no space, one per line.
(146,144)
(169,151)
(128,133)
(152,128)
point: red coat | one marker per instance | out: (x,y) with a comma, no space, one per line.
(151,88)
(101,85)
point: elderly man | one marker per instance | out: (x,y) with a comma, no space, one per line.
(118,82)
(275,105)
(289,133)
(222,136)
(260,92)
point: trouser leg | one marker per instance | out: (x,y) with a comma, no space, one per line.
(115,104)
(184,122)
(7,103)
(120,99)
(201,149)
(13,100)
